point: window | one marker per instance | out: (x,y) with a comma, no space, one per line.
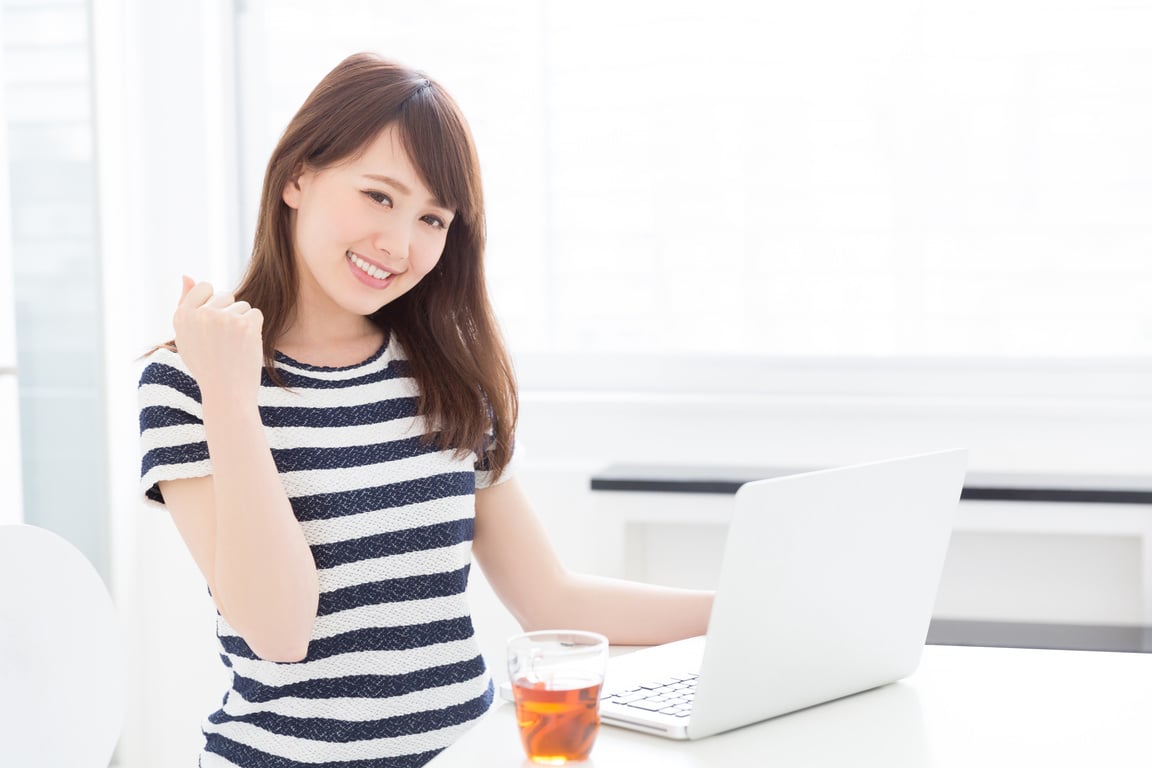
(55,272)
(894,179)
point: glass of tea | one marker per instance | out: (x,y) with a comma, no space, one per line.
(556,677)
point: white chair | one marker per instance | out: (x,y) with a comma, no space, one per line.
(61,659)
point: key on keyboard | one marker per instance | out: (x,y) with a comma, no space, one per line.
(670,696)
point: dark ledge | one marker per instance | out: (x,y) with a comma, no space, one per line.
(1061,637)
(984,486)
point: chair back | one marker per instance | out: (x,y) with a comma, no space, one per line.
(61,658)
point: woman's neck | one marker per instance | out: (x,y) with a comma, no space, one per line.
(331,344)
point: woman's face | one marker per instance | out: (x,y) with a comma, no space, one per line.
(366,231)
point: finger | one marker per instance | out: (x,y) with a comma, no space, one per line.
(195,296)
(257,317)
(187,284)
(221,300)
(238,308)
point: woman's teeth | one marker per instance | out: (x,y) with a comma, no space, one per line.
(369,269)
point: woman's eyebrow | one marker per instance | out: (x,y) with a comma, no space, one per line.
(403,188)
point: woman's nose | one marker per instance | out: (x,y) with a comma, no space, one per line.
(395,241)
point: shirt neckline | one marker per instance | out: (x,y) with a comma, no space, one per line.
(280,357)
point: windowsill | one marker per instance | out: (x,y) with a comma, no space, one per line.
(1062,637)
(978,486)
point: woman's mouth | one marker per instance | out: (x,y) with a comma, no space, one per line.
(367,267)
(367,272)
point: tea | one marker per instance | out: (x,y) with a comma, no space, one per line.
(557,723)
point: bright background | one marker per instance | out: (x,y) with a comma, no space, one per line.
(751,179)
(724,232)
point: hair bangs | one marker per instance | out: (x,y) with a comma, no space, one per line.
(440,146)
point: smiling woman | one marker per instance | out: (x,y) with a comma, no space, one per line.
(295,578)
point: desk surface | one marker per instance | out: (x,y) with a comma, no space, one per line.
(964,707)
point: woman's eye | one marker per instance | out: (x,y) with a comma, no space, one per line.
(378,197)
(435,221)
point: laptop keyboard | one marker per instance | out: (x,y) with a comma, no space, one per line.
(670,696)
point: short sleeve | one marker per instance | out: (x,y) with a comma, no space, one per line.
(172,440)
(483,466)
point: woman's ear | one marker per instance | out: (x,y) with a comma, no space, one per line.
(291,192)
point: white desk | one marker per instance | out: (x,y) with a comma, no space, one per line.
(964,707)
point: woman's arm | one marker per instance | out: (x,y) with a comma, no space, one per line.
(519,562)
(238,523)
(242,534)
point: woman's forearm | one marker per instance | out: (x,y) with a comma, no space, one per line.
(265,575)
(626,612)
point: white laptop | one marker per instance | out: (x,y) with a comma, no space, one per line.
(826,589)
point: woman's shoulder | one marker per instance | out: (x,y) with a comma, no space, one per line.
(163,357)
(164,367)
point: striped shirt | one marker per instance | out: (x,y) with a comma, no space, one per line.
(393,672)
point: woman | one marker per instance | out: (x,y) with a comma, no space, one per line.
(334,443)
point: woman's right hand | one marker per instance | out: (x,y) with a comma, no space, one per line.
(220,340)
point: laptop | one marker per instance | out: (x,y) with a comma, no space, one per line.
(826,589)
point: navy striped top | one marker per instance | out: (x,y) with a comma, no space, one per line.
(393,672)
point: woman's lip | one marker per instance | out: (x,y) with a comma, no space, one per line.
(364,277)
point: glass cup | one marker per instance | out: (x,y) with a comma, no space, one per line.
(556,677)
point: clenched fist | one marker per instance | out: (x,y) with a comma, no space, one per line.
(219,339)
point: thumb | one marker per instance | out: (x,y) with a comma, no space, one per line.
(187,285)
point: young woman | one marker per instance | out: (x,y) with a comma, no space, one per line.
(334,443)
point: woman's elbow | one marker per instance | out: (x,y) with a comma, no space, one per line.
(279,650)
(274,643)
(546,610)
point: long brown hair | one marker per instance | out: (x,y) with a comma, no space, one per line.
(445,323)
